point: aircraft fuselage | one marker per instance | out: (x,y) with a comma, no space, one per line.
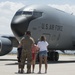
(56,25)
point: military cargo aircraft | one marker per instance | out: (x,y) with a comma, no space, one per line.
(58,27)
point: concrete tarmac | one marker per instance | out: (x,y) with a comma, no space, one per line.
(65,66)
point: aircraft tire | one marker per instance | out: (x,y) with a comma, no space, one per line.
(53,56)
(56,56)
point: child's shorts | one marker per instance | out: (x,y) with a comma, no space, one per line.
(43,53)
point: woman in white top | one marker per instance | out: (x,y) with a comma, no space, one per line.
(42,44)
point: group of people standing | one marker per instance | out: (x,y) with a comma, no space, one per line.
(27,51)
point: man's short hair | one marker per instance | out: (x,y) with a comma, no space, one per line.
(28,33)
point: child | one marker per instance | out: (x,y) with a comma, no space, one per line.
(34,52)
(19,49)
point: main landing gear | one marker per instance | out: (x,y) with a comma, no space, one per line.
(52,56)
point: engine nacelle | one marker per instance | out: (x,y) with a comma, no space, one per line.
(5,46)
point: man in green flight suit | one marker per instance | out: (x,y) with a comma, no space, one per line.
(26,42)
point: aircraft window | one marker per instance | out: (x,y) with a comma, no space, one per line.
(34,13)
(27,13)
(37,14)
(18,13)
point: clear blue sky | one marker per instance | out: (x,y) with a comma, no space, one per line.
(43,1)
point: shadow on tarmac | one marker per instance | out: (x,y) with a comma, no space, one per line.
(8,59)
(50,62)
(59,62)
(30,73)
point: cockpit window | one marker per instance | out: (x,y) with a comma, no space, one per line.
(37,14)
(23,13)
(27,13)
(18,13)
(30,13)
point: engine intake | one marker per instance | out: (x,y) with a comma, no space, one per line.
(5,46)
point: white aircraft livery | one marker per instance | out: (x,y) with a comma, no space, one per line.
(58,27)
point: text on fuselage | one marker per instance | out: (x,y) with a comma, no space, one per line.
(52,27)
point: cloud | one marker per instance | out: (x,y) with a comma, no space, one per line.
(8,9)
(66,7)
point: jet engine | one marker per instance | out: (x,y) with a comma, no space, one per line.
(5,46)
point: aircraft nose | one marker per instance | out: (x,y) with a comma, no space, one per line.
(18,19)
(19,25)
